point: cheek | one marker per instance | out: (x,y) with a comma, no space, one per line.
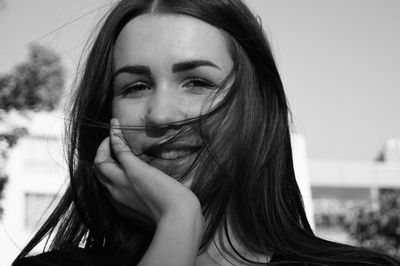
(127,113)
(212,101)
(131,121)
(135,140)
(200,105)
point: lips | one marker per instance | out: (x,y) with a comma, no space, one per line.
(174,159)
(172,154)
(172,151)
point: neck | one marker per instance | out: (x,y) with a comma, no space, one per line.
(220,252)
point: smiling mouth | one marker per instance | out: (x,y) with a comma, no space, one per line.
(174,158)
(172,154)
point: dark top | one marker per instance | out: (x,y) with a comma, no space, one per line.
(81,257)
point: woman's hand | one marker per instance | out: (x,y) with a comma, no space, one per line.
(137,187)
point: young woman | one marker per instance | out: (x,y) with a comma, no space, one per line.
(179,149)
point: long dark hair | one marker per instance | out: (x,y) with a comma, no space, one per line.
(249,184)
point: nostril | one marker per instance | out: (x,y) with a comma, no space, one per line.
(160,130)
(158,119)
(155,132)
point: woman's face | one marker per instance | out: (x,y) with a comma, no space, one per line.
(167,68)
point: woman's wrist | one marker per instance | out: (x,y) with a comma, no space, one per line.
(188,221)
(176,240)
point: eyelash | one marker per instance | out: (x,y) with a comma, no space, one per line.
(133,89)
(142,87)
(200,83)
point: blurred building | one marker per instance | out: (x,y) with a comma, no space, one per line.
(37,173)
(357,179)
(390,151)
(339,185)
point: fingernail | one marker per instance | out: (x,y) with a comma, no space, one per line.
(112,126)
(114,129)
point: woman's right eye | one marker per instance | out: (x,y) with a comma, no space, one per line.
(136,90)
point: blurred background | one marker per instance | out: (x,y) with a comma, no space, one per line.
(340,64)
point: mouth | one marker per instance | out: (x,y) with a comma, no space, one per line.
(170,153)
(173,159)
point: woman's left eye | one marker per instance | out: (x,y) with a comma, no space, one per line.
(195,84)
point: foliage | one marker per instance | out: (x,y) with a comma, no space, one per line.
(34,85)
(333,212)
(3,182)
(378,229)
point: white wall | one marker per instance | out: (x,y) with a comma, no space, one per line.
(300,161)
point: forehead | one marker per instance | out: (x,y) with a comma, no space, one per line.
(164,38)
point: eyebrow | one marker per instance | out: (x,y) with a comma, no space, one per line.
(177,67)
(191,64)
(136,69)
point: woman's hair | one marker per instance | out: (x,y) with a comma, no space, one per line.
(249,184)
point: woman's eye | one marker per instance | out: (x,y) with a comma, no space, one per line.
(136,90)
(195,84)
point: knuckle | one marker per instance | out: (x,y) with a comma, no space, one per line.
(98,161)
(120,146)
(121,152)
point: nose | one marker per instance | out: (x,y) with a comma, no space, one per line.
(164,109)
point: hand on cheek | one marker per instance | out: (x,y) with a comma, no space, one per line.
(137,189)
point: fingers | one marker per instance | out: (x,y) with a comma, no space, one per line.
(115,178)
(119,145)
(135,185)
(105,167)
(132,165)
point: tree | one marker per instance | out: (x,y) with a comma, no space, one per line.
(36,84)
(378,229)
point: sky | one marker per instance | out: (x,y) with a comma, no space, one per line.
(339,61)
